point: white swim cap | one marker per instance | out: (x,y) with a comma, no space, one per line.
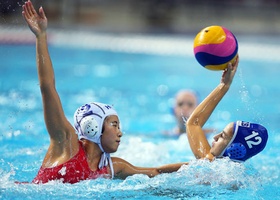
(89,119)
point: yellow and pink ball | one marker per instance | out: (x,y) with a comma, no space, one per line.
(215,47)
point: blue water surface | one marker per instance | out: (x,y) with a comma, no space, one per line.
(141,87)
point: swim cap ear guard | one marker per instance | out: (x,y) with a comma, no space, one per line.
(90,127)
(248,140)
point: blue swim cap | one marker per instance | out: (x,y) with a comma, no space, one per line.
(248,140)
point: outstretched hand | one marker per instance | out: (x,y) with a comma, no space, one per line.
(37,22)
(229,72)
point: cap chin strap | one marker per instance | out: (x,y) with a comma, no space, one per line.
(105,160)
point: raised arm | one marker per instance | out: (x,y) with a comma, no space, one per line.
(197,139)
(56,122)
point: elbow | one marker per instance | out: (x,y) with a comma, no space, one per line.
(46,85)
(192,121)
(155,172)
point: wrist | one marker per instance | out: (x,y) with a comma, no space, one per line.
(42,35)
(224,86)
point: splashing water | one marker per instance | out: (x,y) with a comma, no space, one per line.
(247,100)
(200,178)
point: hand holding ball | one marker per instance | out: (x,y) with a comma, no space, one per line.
(215,47)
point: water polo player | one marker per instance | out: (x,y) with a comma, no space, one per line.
(83,152)
(185,101)
(239,140)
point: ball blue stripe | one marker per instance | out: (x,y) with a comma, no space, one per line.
(209,59)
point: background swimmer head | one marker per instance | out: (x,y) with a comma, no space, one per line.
(184,104)
(240,141)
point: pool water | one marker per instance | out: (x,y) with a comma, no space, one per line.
(140,84)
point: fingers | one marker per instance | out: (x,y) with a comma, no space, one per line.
(32,9)
(232,65)
(42,13)
(228,68)
(28,9)
(236,61)
(25,11)
(237,58)
(229,72)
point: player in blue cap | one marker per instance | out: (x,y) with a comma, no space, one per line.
(239,140)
